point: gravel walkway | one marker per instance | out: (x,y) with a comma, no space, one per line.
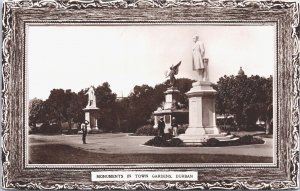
(123,143)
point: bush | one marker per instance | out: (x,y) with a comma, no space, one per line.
(49,129)
(168,136)
(163,142)
(212,142)
(245,140)
(182,128)
(175,142)
(69,131)
(156,141)
(249,139)
(257,141)
(95,131)
(146,130)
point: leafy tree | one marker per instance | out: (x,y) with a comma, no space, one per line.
(224,97)
(145,99)
(141,106)
(121,110)
(36,111)
(184,85)
(247,98)
(74,111)
(57,104)
(106,101)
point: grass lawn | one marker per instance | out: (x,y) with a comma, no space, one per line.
(64,154)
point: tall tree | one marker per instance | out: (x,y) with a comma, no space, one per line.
(57,104)
(74,111)
(184,85)
(224,97)
(247,98)
(106,101)
(36,111)
(141,106)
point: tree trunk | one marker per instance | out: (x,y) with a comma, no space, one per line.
(267,126)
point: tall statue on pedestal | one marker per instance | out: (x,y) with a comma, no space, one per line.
(170,108)
(200,63)
(202,109)
(91,111)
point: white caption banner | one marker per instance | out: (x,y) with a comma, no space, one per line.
(144,175)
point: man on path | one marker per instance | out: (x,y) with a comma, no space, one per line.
(174,127)
(84,131)
(161,127)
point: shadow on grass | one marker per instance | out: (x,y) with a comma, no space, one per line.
(64,154)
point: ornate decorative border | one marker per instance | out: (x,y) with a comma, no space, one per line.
(237,185)
(296,98)
(80,4)
(181,166)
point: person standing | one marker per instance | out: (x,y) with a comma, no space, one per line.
(161,127)
(84,131)
(174,127)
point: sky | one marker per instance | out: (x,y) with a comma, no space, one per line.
(77,57)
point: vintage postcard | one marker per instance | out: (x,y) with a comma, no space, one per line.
(150,95)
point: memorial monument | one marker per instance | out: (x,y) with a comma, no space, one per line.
(90,111)
(202,113)
(169,108)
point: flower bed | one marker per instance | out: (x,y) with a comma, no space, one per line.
(164,142)
(212,142)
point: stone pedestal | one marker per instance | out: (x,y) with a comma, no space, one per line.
(90,116)
(167,116)
(169,109)
(202,115)
(171,96)
(166,112)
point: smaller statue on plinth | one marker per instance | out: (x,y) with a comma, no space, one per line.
(173,71)
(92,97)
(199,60)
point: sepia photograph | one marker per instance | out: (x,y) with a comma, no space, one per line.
(139,94)
(147,94)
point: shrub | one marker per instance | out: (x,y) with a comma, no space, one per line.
(146,130)
(49,129)
(156,141)
(95,131)
(257,141)
(175,142)
(168,136)
(162,142)
(212,142)
(245,140)
(249,139)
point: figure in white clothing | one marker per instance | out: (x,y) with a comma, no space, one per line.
(92,97)
(199,63)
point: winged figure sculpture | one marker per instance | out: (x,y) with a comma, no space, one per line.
(172,72)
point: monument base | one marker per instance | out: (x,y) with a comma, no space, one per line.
(201,130)
(170,110)
(197,136)
(197,139)
(202,117)
(90,116)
